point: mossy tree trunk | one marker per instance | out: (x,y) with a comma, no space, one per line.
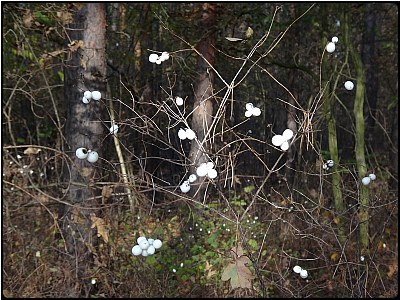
(358,111)
(336,177)
(328,106)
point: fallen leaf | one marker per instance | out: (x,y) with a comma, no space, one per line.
(232,39)
(106,192)
(86,172)
(75,45)
(208,270)
(100,224)
(380,246)
(31,150)
(249,32)
(27,19)
(334,256)
(392,268)
(237,251)
(65,17)
(237,272)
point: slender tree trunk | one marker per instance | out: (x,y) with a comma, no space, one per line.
(85,69)
(360,133)
(203,108)
(334,155)
(328,106)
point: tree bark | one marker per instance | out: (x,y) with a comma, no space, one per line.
(203,107)
(330,117)
(360,134)
(84,69)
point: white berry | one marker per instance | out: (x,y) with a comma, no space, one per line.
(278,140)
(366,180)
(248,113)
(190,134)
(153,58)
(349,85)
(287,134)
(256,111)
(209,165)
(249,106)
(304,274)
(157,244)
(87,95)
(114,129)
(330,163)
(185,187)
(96,95)
(182,134)
(136,250)
(164,56)
(212,173)
(92,157)
(297,269)
(202,170)
(144,244)
(285,145)
(81,153)
(330,47)
(151,250)
(192,178)
(140,238)
(179,101)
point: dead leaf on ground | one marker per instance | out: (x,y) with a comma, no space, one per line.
(237,272)
(65,17)
(392,268)
(208,270)
(27,19)
(86,172)
(106,192)
(334,256)
(236,251)
(43,199)
(100,224)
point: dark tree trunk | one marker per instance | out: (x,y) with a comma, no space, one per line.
(203,108)
(84,69)
(372,80)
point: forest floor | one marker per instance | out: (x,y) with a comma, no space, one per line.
(196,258)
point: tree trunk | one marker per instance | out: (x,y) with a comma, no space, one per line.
(85,69)
(329,115)
(372,80)
(203,108)
(360,134)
